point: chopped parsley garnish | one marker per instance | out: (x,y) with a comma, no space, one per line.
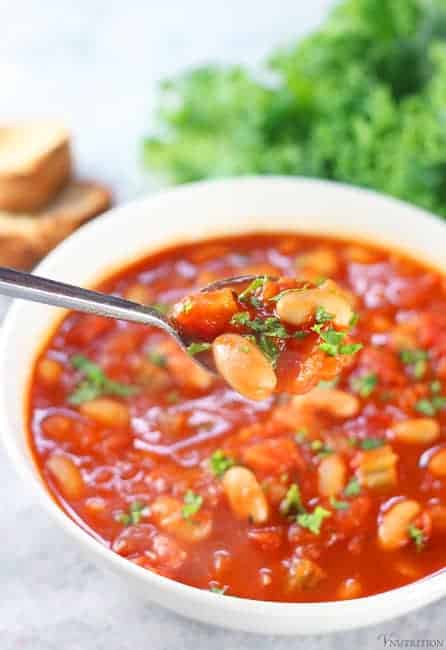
(417,535)
(192,504)
(430,407)
(353,488)
(339,505)
(270,326)
(313,520)
(218,590)
(197,347)
(186,305)
(265,330)
(133,516)
(269,348)
(326,384)
(320,448)
(95,382)
(371,443)
(247,294)
(157,358)
(322,315)
(364,385)
(333,342)
(353,320)
(435,386)
(219,462)
(416,359)
(292,501)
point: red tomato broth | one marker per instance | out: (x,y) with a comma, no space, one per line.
(179,417)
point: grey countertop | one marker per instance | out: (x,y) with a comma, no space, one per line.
(95,65)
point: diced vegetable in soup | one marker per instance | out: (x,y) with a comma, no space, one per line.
(318,475)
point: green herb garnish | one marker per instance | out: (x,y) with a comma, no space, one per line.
(197,347)
(333,342)
(219,462)
(257,283)
(364,385)
(416,359)
(95,382)
(417,535)
(371,443)
(313,520)
(339,505)
(218,590)
(320,448)
(430,407)
(322,315)
(133,516)
(292,501)
(192,504)
(157,358)
(353,488)
(186,306)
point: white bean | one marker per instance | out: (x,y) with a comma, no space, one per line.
(417,431)
(245,495)
(394,524)
(242,364)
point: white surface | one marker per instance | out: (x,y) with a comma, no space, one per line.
(94,64)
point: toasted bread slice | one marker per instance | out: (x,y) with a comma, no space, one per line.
(26,238)
(35,162)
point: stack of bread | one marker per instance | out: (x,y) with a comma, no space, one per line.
(40,200)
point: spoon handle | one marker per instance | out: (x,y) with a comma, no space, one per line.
(17,284)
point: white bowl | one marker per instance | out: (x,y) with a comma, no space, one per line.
(192,212)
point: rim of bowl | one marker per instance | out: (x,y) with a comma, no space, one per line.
(416,594)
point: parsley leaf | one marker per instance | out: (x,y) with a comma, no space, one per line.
(269,348)
(333,342)
(133,516)
(313,520)
(197,347)
(157,358)
(371,443)
(252,288)
(364,385)
(218,590)
(192,504)
(353,488)
(186,306)
(219,462)
(322,316)
(95,382)
(416,359)
(320,448)
(417,535)
(430,407)
(292,501)
(339,505)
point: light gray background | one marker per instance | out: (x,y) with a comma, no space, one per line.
(95,65)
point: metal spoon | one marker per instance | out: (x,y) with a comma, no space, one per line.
(18,284)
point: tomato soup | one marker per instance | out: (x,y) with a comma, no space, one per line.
(333,494)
